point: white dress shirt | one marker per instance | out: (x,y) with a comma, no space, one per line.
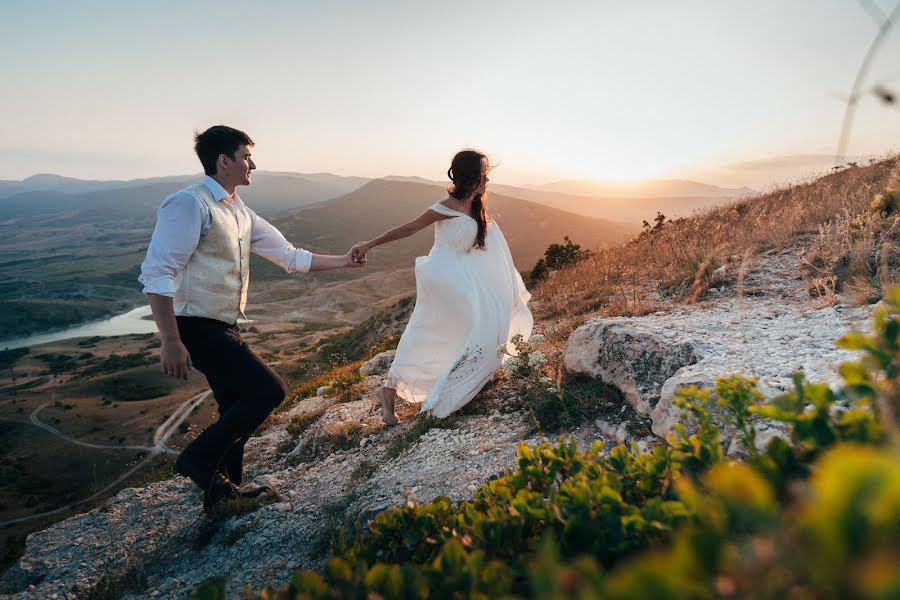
(183,218)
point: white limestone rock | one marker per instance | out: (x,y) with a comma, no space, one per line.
(379,364)
(629,356)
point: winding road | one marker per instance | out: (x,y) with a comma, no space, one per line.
(160,446)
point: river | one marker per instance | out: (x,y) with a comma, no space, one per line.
(133,321)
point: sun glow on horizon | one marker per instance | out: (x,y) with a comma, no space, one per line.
(620,167)
(613,92)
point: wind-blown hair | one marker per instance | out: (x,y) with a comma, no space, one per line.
(218,140)
(467,171)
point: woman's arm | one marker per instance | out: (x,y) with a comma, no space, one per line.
(398,233)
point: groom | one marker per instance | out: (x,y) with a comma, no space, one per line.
(195,277)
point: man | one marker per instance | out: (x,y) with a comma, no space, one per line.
(195,277)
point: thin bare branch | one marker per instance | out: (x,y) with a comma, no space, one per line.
(873,11)
(858,81)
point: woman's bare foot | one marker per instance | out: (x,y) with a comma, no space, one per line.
(386,397)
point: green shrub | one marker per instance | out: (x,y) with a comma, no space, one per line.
(9,357)
(58,363)
(817,516)
(339,380)
(557,256)
(555,403)
(115,363)
(886,204)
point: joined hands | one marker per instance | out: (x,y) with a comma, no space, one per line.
(358,253)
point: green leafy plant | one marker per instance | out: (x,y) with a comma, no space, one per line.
(558,256)
(813,516)
(558,402)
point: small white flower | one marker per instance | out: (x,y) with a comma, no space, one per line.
(516,338)
(501,351)
(546,380)
(510,365)
(536,339)
(536,360)
(551,390)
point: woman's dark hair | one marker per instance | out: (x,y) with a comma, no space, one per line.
(218,140)
(467,170)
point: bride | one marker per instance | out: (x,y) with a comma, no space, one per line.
(470,299)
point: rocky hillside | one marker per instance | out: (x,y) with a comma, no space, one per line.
(332,462)
(761,287)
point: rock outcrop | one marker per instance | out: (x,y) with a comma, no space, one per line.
(769,335)
(379,364)
(629,355)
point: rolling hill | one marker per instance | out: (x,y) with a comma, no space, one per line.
(138,200)
(336,225)
(628,204)
(654,188)
(68,257)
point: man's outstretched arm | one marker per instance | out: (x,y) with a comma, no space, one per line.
(268,242)
(327,262)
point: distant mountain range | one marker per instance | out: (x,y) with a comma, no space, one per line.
(57,183)
(70,249)
(61,199)
(529,227)
(275,192)
(626,203)
(662,188)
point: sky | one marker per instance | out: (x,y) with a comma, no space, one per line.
(726,92)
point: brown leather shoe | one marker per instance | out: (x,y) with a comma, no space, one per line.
(253,491)
(219,492)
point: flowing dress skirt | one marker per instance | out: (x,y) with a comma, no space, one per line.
(468,303)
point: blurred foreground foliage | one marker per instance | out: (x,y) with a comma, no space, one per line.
(814,514)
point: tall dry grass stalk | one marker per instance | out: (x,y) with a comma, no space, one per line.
(682,258)
(858,252)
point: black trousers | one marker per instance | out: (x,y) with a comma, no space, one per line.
(245,388)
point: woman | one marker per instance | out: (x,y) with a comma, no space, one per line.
(470,299)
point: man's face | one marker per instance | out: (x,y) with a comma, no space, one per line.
(238,168)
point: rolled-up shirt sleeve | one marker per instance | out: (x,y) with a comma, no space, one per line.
(268,242)
(175,237)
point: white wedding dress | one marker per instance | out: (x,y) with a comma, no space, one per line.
(468,302)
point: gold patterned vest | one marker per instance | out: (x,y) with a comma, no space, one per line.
(214,281)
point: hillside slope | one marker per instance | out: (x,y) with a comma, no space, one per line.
(331,462)
(336,225)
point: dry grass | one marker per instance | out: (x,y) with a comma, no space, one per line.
(859,254)
(338,379)
(681,259)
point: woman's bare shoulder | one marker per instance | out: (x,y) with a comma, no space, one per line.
(450,202)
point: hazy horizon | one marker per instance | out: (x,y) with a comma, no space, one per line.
(723,94)
(542,186)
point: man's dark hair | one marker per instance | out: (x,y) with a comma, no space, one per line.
(218,140)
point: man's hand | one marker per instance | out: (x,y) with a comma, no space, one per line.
(355,260)
(174,359)
(359,251)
